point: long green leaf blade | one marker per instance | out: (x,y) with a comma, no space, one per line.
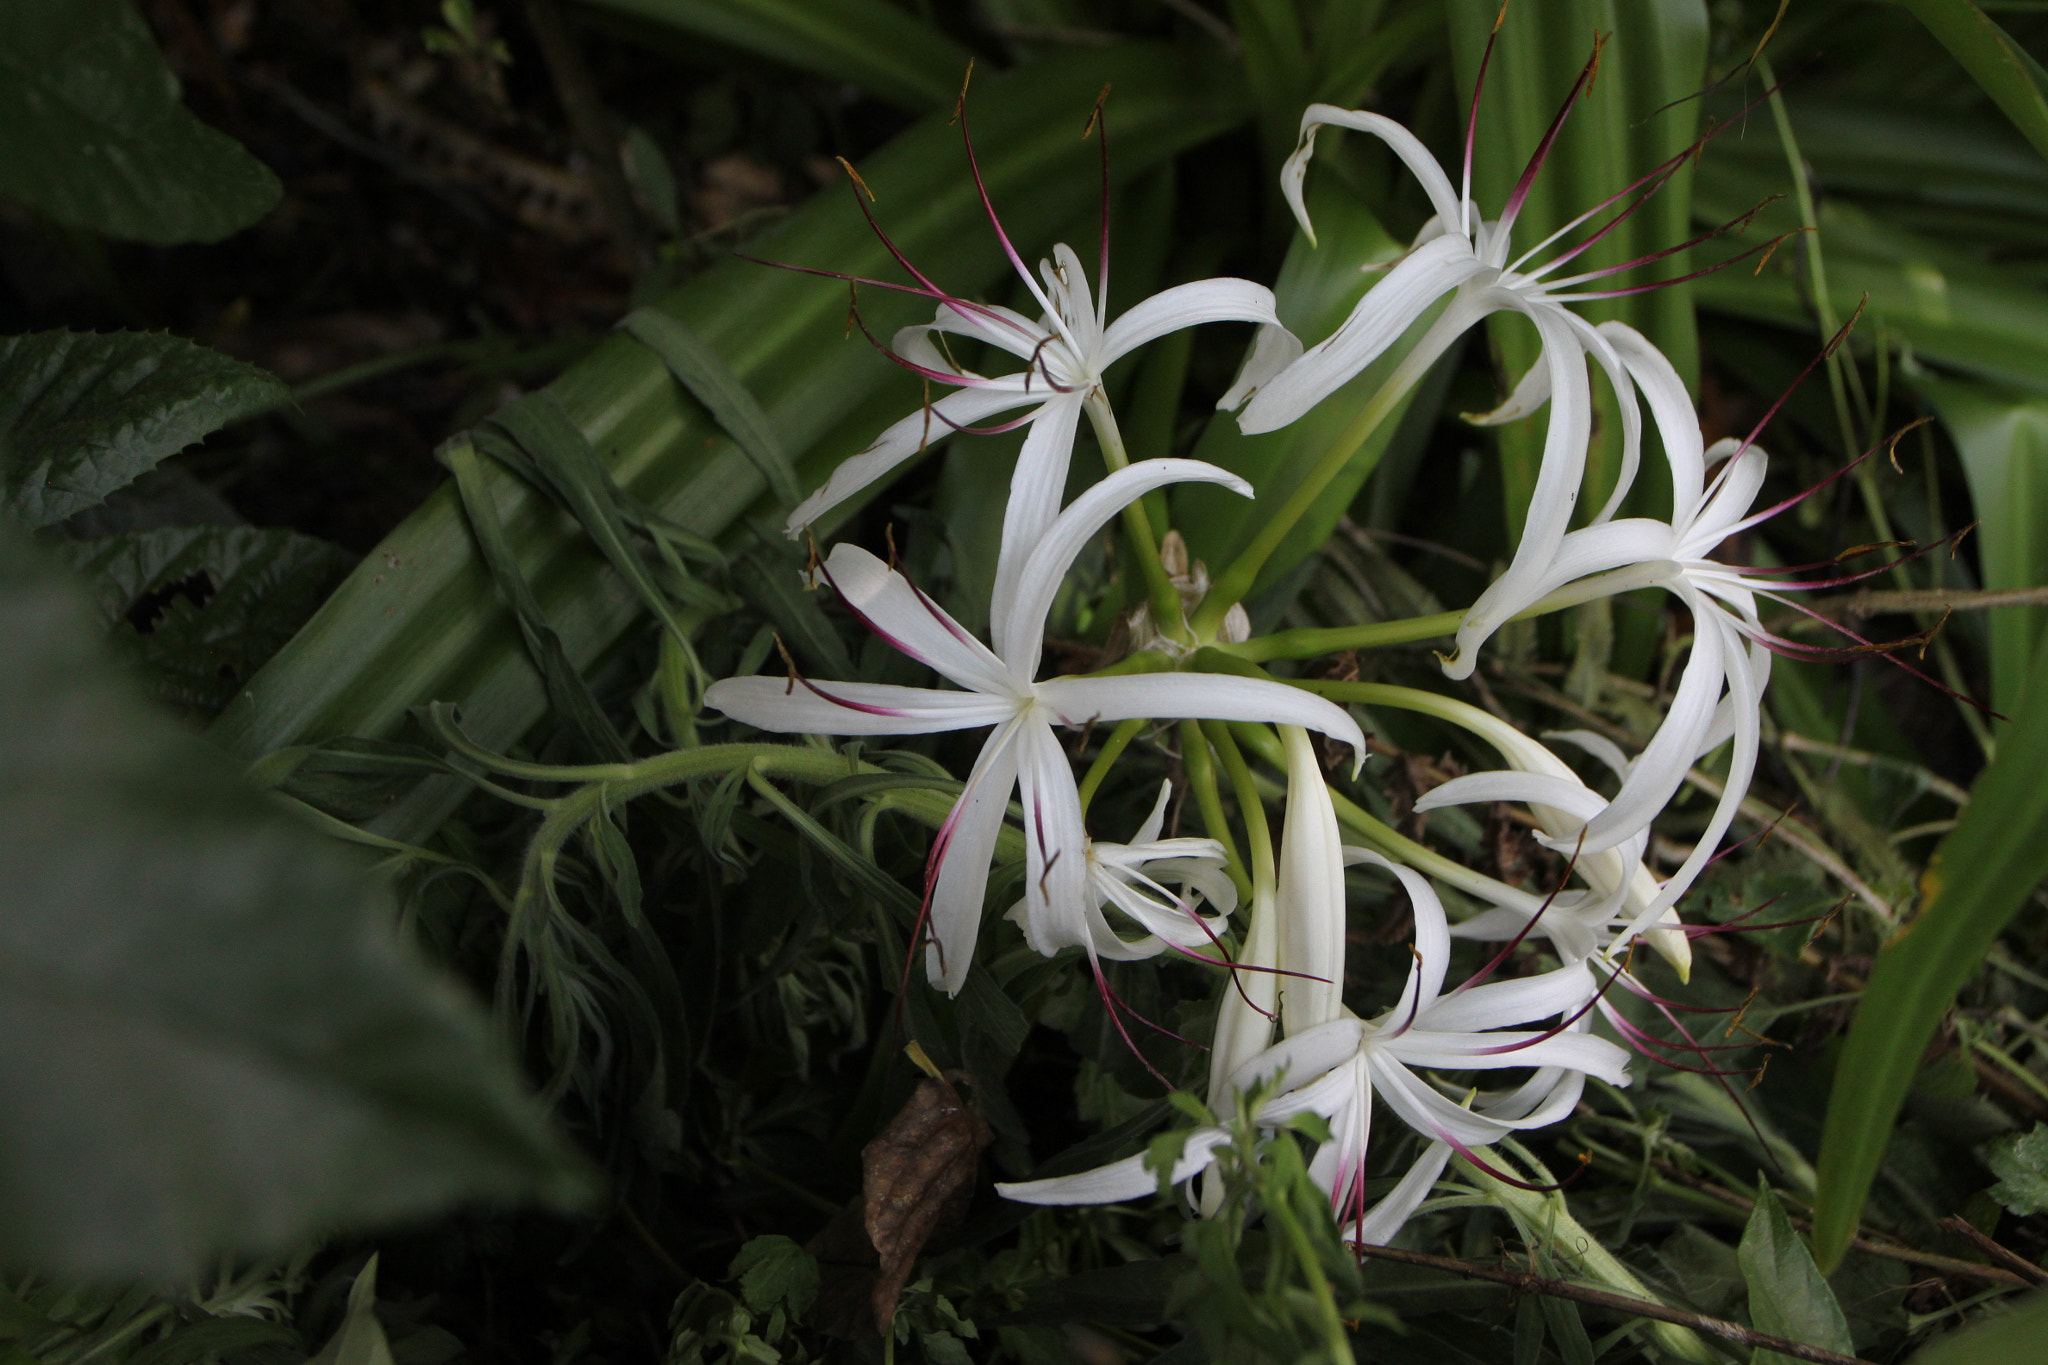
(2012,78)
(1980,876)
(867,43)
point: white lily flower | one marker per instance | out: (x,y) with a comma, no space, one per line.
(1000,689)
(1134,878)
(1720,692)
(1065,351)
(1334,1069)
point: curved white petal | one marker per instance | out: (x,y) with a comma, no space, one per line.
(1399,140)
(1120,1180)
(1244,1019)
(1671,409)
(908,437)
(1531,392)
(1483,1051)
(1388,1216)
(1517,1000)
(1186,305)
(958,870)
(798,706)
(1427,1112)
(1664,762)
(1304,1059)
(1377,321)
(1018,622)
(1557,484)
(1311,892)
(892,608)
(1196,696)
(1036,487)
(1055,843)
(1432,940)
(1273,349)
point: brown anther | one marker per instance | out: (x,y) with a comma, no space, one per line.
(960,102)
(1892,446)
(1593,66)
(790,687)
(1095,114)
(859,183)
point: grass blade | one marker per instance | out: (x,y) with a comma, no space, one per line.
(711,382)
(1979,878)
(2012,78)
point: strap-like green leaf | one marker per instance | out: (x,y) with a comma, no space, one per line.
(711,382)
(2013,79)
(1980,876)
(867,43)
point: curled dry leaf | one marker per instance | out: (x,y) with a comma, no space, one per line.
(917,1176)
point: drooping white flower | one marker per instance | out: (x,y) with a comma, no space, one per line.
(1335,1069)
(1135,878)
(999,688)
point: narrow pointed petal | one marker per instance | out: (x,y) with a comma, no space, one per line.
(1663,764)
(1036,487)
(903,440)
(1532,391)
(1196,696)
(1311,891)
(1273,349)
(1519,1000)
(1120,1180)
(793,706)
(1304,1058)
(1018,621)
(1156,821)
(913,623)
(1244,1020)
(1055,843)
(1671,408)
(1187,305)
(1419,1106)
(1432,941)
(1404,144)
(961,853)
(1387,1217)
(1380,319)
(1485,1051)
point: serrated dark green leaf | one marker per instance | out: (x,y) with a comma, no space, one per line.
(2020,1161)
(92,133)
(82,414)
(1787,1296)
(210,1041)
(774,1271)
(206,606)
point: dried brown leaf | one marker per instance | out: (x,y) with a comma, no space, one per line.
(918,1174)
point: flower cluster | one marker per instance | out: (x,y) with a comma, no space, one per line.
(1285,1033)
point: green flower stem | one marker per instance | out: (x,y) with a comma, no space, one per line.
(1160,594)
(1201,770)
(1112,749)
(1250,809)
(1232,585)
(1548,1214)
(1309,643)
(1334,1339)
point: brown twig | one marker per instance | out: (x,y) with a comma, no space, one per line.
(1621,1303)
(1997,1251)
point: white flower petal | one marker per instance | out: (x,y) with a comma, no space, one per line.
(1196,696)
(1186,305)
(1273,349)
(1018,621)
(960,857)
(1432,940)
(1482,1051)
(914,624)
(1404,144)
(1518,1000)
(1531,392)
(1120,1180)
(910,436)
(1671,408)
(1036,487)
(1055,843)
(1377,321)
(1388,1216)
(1311,892)
(798,706)
(1427,1112)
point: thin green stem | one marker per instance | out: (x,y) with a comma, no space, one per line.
(1334,1339)
(1160,595)
(1231,586)
(1308,642)
(1112,749)
(1250,808)
(1201,769)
